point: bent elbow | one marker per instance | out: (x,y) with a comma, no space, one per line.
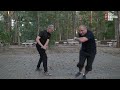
(37,39)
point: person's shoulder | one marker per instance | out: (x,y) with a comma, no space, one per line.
(45,31)
(90,32)
(42,31)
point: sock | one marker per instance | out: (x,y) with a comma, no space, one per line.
(83,74)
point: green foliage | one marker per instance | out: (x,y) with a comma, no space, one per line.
(110,30)
(66,22)
(5,37)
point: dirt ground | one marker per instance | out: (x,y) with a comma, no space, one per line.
(20,63)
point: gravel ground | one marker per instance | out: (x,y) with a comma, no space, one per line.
(20,63)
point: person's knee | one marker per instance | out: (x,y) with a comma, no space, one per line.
(45,57)
(79,65)
(88,68)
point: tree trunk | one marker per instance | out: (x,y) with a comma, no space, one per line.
(7,21)
(118,32)
(116,25)
(74,22)
(38,26)
(17,32)
(117,28)
(59,27)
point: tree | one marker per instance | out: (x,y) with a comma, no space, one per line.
(118,30)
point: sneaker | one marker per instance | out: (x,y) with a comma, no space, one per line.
(47,74)
(84,76)
(38,69)
(77,74)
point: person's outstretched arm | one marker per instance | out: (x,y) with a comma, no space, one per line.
(81,39)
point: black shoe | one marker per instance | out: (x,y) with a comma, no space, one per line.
(77,74)
(47,74)
(38,69)
(84,77)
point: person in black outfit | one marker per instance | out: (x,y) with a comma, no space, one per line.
(87,51)
(42,44)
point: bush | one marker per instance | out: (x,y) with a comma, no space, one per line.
(5,37)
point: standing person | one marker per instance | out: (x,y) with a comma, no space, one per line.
(42,44)
(87,51)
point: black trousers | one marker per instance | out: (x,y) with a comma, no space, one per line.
(83,56)
(43,58)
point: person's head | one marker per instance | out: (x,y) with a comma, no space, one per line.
(50,28)
(82,29)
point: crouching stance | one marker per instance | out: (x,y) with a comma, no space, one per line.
(87,51)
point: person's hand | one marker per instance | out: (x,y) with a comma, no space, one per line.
(75,38)
(44,47)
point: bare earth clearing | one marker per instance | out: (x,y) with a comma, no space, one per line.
(20,63)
